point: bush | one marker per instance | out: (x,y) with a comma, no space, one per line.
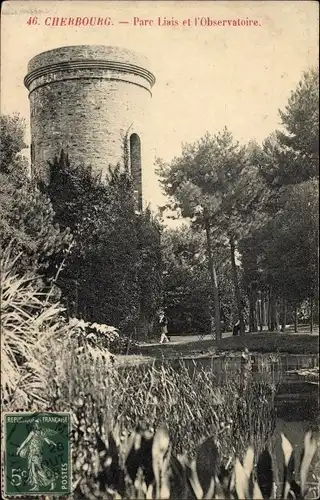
(102,336)
(34,335)
(28,321)
(27,226)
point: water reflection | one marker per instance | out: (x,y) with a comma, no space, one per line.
(296,397)
(296,400)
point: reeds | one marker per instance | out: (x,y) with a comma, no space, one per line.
(143,466)
(191,402)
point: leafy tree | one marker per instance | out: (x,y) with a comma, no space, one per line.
(26,215)
(12,130)
(282,255)
(150,269)
(216,183)
(26,221)
(186,280)
(187,283)
(293,255)
(74,192)
(291,155)
(99,282)
(300,120)
(277,257)
(113,276)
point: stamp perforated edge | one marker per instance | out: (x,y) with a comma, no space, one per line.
(32,496)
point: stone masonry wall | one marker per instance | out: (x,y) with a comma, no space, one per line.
(88,52)
(86,105)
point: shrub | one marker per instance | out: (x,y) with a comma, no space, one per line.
(27,321)
(34,336)
(102,336)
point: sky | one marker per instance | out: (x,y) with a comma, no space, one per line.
(207,77)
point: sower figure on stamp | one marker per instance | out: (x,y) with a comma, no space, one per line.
(39,474)
(163,322)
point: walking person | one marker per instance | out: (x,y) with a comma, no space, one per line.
(236,328)
(163,322)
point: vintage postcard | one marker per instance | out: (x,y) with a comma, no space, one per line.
(159,252)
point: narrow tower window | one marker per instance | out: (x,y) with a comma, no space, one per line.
(32,153)
(135,165)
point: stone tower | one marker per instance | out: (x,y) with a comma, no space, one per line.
(92,101)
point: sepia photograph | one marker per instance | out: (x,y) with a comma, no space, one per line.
(159,253)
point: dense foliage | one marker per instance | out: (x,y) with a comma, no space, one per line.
(12,131)
(281,257)
(82,234)
(26,215)
(187,285)
(262,202)
(114,270)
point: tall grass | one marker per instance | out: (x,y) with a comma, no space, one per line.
(28,323)
(34,337)
(102,396)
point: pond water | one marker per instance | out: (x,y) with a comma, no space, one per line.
(297,399)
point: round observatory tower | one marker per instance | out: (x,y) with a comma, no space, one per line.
(92,102)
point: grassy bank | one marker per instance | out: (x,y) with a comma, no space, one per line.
(260,343)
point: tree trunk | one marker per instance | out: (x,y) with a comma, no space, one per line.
(276,314)
(316,308)
(311,313)
(296,319)
(269,307)
(259,312)
(236,287)
(316,292)
(251,310)
(273,312)
(284,314)
(260,306)
(143,326)
(264,310)
(214,282)
(255,309)
(257,315)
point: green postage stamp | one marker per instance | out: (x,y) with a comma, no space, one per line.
(37,454)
